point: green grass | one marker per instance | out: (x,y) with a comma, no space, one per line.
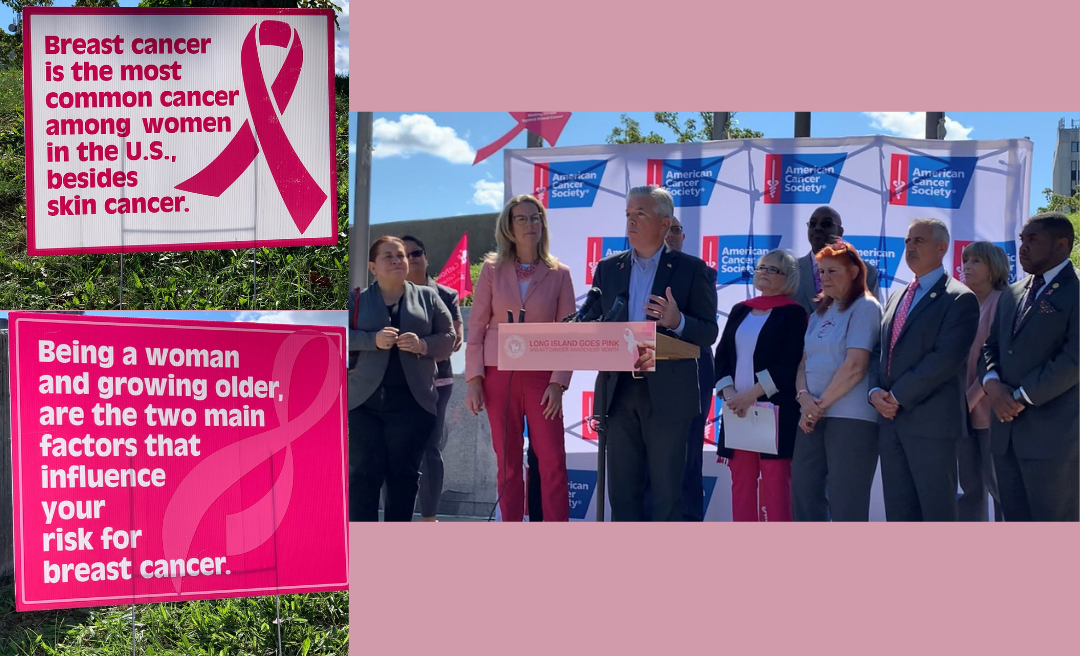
(312,624)
(298,278)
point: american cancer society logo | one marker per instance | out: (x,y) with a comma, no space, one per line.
(690,181)
(597,248)
(735,256)
(562,185)
(920,181)
(802,178)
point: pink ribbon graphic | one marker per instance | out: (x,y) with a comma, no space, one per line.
(549,125)
(302,195)
(207,481)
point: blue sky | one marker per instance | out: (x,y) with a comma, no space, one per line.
(422,166)
(341,38)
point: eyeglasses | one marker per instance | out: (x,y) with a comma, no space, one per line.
(417,254)
(523,220)
(824,223)
(771,270)
(675,230)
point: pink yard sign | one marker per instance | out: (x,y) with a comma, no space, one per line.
(166,460)
(590,346)
(178,129)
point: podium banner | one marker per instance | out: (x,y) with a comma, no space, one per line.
(592,346)
(166,460)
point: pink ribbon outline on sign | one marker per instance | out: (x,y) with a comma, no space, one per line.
(302,195)
(207,481)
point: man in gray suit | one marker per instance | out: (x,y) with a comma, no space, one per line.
(649,414)
(824,227)
(1030,369)
(926,334)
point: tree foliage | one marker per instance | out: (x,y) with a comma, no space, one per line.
(1059,203)
(695,128)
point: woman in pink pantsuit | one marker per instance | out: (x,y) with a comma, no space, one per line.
(520,275)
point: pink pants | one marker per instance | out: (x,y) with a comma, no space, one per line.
(766,501)
(508,402)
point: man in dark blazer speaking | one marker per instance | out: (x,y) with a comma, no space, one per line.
(921,395)
(1030,368)
(649,414)
(823,228)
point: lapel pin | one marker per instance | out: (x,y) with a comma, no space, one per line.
(933,294)
(1054,286)
(669,265)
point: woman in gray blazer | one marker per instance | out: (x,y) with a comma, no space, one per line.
(399,331)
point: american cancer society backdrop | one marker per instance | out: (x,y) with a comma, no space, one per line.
(158,129)
(738,199)
(165,460)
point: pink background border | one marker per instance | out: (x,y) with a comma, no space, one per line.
(31,246)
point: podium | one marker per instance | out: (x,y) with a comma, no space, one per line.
(587,346)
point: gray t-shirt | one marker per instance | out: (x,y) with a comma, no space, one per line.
(828,337)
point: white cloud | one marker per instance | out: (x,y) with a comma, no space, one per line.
(488,193)
(913,125)
(341,41)
(301,317)
(418,133)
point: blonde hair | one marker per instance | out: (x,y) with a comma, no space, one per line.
(505,248)
(997,262)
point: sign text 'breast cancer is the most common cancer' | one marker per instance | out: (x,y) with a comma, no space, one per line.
(162,460)
(160,130)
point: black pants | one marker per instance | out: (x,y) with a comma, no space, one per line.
(832,471)
(1038,490)
(387,437)
(431,466)
(640,439)
(918,477)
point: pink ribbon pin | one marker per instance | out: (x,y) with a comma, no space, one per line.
(302,195)
(207,481)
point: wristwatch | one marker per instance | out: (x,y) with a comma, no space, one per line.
(1018,396)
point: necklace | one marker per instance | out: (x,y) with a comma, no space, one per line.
(525,271)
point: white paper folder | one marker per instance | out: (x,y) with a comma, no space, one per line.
(757,431)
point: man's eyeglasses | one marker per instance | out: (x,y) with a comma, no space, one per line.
(771,270)
(523,220)
(675,230)
(417,254)
(824,223)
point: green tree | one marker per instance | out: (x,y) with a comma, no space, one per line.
(97,3)
(686,131)
(262,4)
(1059,203)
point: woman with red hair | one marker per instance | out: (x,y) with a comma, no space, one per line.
(836,454)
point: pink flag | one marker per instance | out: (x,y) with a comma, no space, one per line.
(455,274)
(549,125)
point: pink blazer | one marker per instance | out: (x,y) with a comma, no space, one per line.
(549,297)
(978,404)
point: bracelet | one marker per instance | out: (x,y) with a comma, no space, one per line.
(800,393)
(561,386)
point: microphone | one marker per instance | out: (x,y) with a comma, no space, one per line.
(509,316)
(521,315)
(617,307)
(590,308)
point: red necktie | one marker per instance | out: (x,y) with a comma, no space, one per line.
(900,318)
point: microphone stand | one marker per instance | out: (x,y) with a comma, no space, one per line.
(601,445)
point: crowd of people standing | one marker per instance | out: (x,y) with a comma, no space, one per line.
(947,384)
